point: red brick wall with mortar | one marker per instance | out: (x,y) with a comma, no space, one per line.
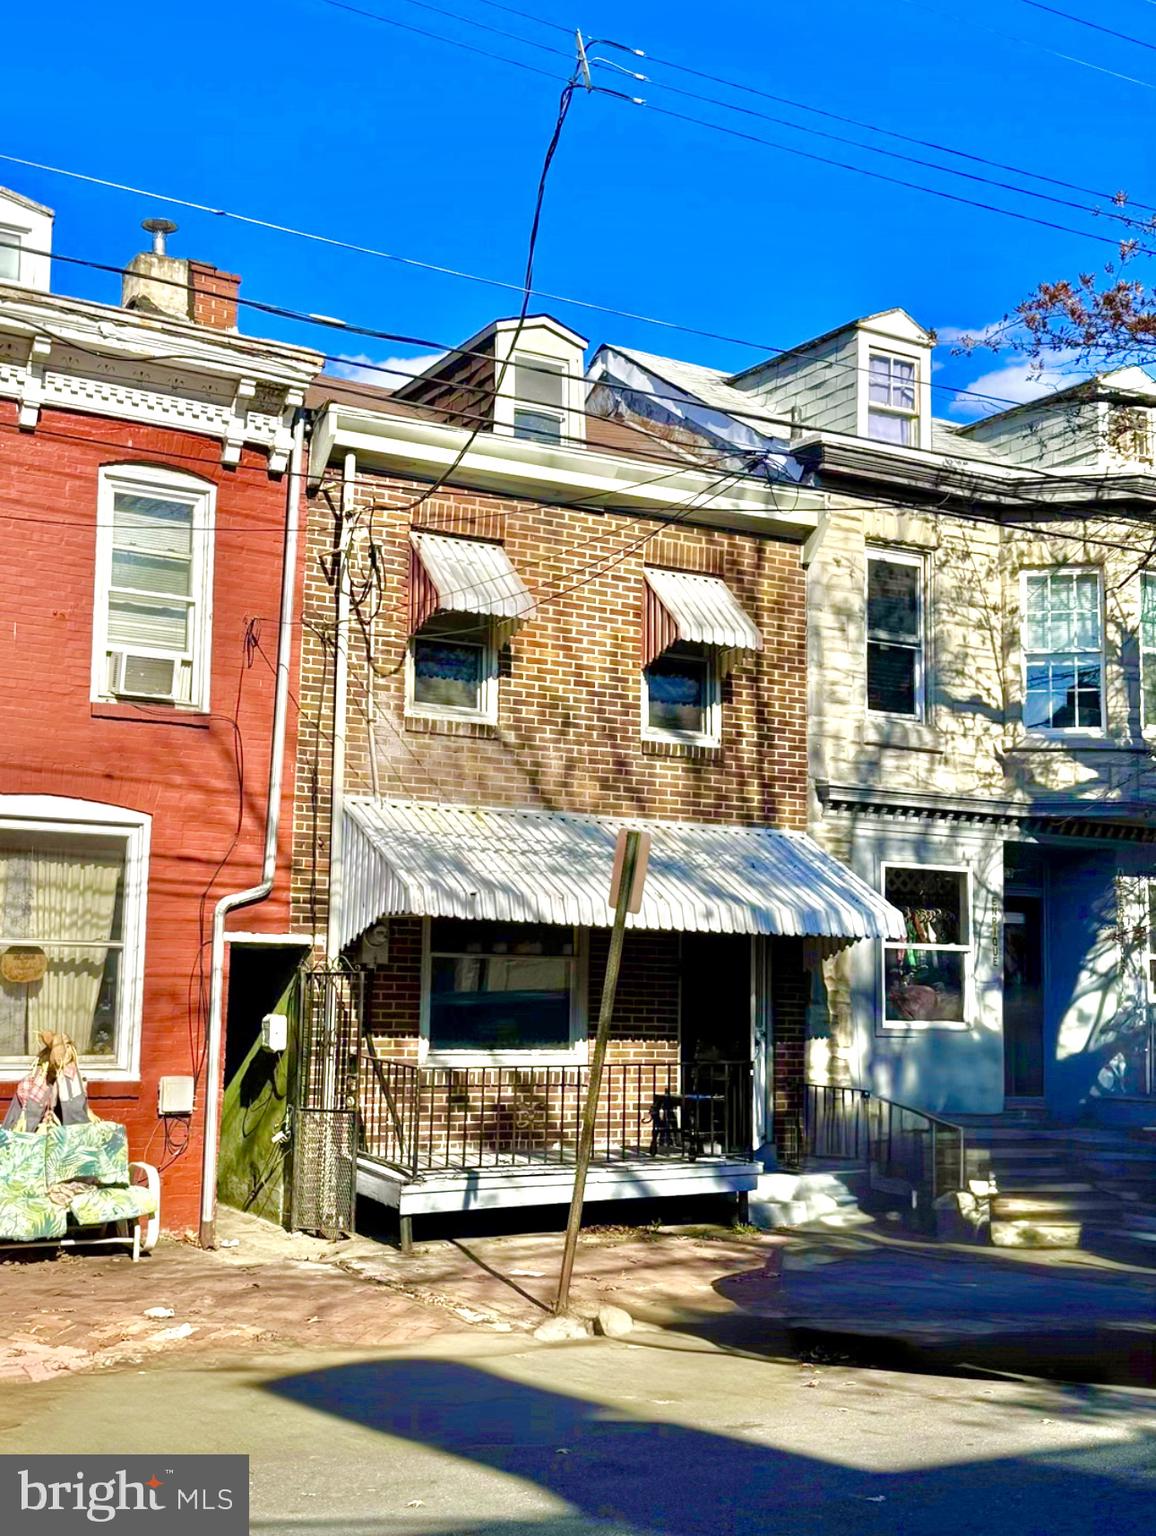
(568,734)
(790,994)
(183,774)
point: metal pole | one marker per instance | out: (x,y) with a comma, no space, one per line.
(593,1087)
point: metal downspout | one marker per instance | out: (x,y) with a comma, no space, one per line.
(255,893)
(340,721)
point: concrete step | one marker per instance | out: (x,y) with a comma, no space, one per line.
(1036,1207)
(1036,1234)
(797,1199)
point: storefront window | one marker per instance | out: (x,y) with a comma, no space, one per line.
(925,979)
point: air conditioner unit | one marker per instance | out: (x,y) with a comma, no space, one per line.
(144,677)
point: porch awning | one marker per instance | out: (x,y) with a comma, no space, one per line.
(430,860)
(454,575)
(681,605)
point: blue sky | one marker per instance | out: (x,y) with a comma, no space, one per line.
(310,116)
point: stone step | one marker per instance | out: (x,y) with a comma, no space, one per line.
(1030,1207)
(1039,1233)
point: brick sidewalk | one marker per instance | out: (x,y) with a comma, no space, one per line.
(279,1290)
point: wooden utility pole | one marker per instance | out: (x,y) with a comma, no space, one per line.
(626,896)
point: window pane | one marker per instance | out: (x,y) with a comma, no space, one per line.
(888,428)
(61,902)
(924,984)
(447,673)
(499,1002)
(893,599)
(1149,690)
(891,686)
(932,902)
(539,383)
(537,426)
(9,256)
(151,573)
(151,525)
(152,626)
(677,691)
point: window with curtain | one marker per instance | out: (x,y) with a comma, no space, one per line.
(152,587)
(926,977)
(62,940)
(895,667)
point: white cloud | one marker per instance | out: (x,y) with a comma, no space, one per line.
(1015,381)
(389,372)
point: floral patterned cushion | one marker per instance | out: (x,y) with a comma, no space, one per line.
(93,1207)
(96,1151)
(26,1212)
(40,1173)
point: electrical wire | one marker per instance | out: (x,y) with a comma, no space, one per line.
(1082,21)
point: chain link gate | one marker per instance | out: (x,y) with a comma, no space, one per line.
(325,1102)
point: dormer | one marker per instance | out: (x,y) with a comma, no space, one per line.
(869,379)
(25,241)
(1103,423)
(521,379)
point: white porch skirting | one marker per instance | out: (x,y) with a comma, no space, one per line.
(489,1189)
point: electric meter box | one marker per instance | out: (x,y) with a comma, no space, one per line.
(175,1096)
(275,1032)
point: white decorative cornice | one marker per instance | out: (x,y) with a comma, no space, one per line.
(148,368)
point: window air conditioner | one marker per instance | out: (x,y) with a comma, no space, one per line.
(143,677)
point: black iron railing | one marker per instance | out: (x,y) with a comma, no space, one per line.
(427,1119)
(906,1148)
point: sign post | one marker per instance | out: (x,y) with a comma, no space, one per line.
(631,856)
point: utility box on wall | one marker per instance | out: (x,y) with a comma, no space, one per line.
(275,1032)
(175,1096)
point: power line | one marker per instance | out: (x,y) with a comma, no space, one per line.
(1082,21)
(781,121)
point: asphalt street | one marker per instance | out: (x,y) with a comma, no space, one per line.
(660,1435)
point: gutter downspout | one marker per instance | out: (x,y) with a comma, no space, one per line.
(340,720)
(207,1235)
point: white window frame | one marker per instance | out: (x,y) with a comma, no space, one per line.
(1062,731)
(11,234)
(53,813)
(901,412)
(712,735)
(487,712)
(898,557)
(907,1026)
(157,481)
(1147,657)
(576,1055)
(1149,930)
(535,363)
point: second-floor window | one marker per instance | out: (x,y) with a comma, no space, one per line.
(453,668)
(895,671)
(9,255)
(151,625)
(892,411)
(681,695)
(1063,651)
(1148,649)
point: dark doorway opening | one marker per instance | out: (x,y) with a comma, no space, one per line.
(1023,997)
(716,997)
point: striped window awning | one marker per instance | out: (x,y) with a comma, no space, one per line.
(454,575)
(406,857)
(681,605)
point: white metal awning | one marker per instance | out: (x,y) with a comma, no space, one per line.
(429,860)
(466,576)
(702,609)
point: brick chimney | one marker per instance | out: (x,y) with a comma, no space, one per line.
(157,283)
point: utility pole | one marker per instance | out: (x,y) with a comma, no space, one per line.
(630,860)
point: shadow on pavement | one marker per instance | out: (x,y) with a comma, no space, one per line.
(631,1476)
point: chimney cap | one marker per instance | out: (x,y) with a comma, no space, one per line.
(158,229)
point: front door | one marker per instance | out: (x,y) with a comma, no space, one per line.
(1023,997)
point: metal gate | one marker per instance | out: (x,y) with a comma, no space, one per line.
(325,1104)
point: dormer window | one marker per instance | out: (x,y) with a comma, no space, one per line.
(539,398)
(892,410)
(9,255)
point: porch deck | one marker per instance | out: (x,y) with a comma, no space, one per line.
(455,1139)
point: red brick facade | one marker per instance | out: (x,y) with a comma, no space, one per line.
(182,769)
(568,734)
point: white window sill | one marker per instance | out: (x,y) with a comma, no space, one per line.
(91,1074)
(680,738)
(1074,741)
(450,716)
(904,732)
(921,1026)
(577,1056)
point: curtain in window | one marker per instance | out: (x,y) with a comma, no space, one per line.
(49,895)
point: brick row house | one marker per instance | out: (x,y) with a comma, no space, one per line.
(982,667)
(149,469)
(527,625)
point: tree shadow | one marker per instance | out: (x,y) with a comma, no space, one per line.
(633,1476)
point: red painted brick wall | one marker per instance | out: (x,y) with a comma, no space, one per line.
(206,836)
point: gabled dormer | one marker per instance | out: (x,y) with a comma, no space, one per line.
(869,379)
(522,379)
(25,241)
(1107,422)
